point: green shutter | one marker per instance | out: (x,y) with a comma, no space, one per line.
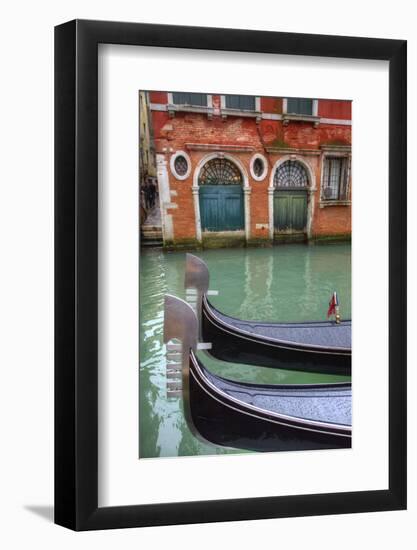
(241,102)
(181,98)
(299,106)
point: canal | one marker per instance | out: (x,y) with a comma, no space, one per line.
(283,283)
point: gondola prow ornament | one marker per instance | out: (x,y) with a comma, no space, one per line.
(334,308)
(196,284)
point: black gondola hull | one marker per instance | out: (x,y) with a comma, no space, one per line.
(230,344)
(227,422)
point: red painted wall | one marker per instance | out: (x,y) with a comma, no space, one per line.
(159,119)
(335,109)
(271,105)
(158,97)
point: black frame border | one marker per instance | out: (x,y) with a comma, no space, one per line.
(76,270)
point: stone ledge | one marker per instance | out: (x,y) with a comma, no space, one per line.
(219,147)
(199,109)
(326,238)
(224,239)
(287,118)
(293,151)
(261,242)
(326,204)
(225,112)
(328,147)
(282,238)
(182,244)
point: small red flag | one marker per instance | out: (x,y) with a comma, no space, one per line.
(332,305)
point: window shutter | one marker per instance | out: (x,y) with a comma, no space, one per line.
(334,179)
(241,102)
(181,98)
(300,106)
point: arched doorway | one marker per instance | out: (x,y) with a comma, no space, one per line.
(290,198)
(221,196)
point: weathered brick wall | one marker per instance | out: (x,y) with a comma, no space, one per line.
(197,128)
(303,135)
(173,134)
(259,208)
(183,215)
(331,221)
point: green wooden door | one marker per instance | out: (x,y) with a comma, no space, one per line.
(221,207)
(290,211)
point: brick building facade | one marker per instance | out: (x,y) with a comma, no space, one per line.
(251,170)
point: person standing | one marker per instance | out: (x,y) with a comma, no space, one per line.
(152,193)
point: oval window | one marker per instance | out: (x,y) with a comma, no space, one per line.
(181,165)
(258,167)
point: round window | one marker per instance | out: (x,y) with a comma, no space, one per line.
(258,167)
(181,165)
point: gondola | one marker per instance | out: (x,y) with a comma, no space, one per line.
(255,417)
(323,347)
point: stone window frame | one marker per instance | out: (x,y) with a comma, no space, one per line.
(314,117)
(175,155)
(251,167)
(315,106)
(172,107)
(225,111)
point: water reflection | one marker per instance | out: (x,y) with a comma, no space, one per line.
(285,283)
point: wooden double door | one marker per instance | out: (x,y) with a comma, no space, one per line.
(221,207)
(290,211)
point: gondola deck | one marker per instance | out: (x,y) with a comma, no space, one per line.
(323,347)
(315,403)
(318,334)
(315,407)
(260,417)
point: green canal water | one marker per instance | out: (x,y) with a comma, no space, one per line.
(283,283)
